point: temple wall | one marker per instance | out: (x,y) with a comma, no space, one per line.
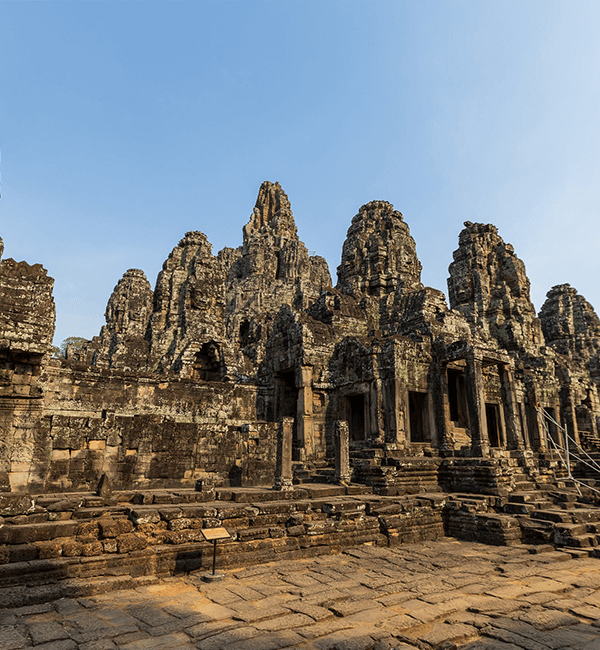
(146,433)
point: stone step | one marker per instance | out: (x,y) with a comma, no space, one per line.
(584,515)
(525,486)
(557,516)
(580,541)
(542,504)
(566,496)
(562,530)
(580,552)
(28,533)
(519,508)
(522,497)
(367,453)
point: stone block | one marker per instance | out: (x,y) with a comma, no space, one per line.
(15,504)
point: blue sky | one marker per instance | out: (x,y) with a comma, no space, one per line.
(125,124)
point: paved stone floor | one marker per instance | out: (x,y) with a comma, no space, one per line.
(442,594)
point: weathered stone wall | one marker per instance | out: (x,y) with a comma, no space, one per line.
(191,380)
(148,433)
(26,330)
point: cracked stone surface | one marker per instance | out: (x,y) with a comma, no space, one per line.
(444,594)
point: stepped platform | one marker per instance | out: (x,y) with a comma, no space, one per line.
(155,533)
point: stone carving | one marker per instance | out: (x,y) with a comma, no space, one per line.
(379,255)
(570,325)
(377,379)
(488,285)
(122,341)
(26,307)
(189,303)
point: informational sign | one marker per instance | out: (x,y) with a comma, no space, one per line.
(213,534)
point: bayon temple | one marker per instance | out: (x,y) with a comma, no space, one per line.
(247,390)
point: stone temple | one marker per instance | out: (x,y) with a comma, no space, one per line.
(247,391)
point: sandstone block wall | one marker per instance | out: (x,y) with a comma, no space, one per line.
(191,379)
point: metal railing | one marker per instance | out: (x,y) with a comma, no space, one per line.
(571,450)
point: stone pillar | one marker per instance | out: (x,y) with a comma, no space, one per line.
(514,433)
(283,467)
(305,411)
(441,411)
(480,444)
(540,421)
(401,414)
(525,425)
(570,419)
(342,452)
(594,409)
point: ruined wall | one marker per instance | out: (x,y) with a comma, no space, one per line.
(148,433)
(191,379)
(26,330)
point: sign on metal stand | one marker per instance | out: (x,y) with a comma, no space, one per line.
(214,535)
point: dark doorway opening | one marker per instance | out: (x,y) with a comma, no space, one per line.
(493,428)
(551,426)
(533,426)
(208,365)
(356,419)
(288,394)
(584,419)
(457,398)
(419,423)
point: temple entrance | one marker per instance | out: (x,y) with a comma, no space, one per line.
(356,417)
(208,365)
(493,428)
(287,395)
(552,428)
(287,404)
(457,398)
(584,419)
(418,416)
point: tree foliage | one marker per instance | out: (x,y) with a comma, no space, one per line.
(76,342)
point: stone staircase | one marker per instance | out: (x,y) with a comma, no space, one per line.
(313,472)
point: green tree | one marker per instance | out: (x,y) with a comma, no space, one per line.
(76,342)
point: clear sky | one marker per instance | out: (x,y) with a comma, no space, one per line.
(125,124)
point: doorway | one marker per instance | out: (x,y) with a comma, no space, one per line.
(356,419)
(418,412)
(493,428)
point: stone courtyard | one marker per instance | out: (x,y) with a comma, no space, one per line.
(444,594)
(358,443)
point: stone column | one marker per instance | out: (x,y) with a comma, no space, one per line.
(283,467)
(441,410)
(342,452)
(480,444)
(401,415)
(541,423)
(305,411)
(514,433)
(594,410)
(570,419)
(525,425)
